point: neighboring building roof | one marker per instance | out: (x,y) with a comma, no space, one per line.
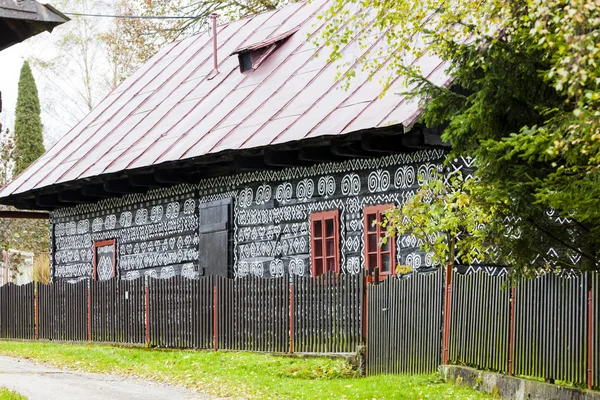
(21,19)
(177,108)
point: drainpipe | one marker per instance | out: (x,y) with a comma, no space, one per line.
(214,17)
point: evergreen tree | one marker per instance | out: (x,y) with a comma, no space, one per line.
(28,124)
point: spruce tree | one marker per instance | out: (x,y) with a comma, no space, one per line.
(28,124)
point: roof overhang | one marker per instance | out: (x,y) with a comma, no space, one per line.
(328,148)
(20,20)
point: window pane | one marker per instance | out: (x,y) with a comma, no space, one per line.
(317,229)
(329,227)
(371,218)
(318,248)
(386,246)
(331,264)
(373,261)
(372,243)
(330,247)
(386,263)
(318,266)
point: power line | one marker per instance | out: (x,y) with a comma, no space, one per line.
(133,16)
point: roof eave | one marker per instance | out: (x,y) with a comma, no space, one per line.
(367,143)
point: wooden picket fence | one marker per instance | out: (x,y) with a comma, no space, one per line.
(251,314)
(548,327)
(405,325)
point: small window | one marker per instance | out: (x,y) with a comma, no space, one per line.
(377,254)
(105,260)
(325,240)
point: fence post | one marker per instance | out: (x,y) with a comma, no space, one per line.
(147,308)
(36,305)
(590,337)
(291,316)
(511,337)
(448,284)
(89,310)
(215,312)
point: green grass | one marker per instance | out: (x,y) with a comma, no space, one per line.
(240,374)
(6,394)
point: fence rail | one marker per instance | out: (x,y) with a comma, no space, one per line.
(548,327)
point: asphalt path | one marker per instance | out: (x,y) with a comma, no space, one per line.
(42,382)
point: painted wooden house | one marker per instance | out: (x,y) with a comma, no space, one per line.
(250,160)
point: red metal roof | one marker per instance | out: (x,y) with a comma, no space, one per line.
(174,108)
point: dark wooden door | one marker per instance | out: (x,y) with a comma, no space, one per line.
(215,237)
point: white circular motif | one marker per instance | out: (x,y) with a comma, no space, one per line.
(132,275)
(305,189)
(110,222)
(413,260)
(141,216)
(188,271)
(96,225)
(350,185)
(256,269)
(243,269)
(83,226)
(156,214)
(276,268)
(245,198)
(172,210)
(404,177)
(283,194)
(353,265)
(167,272)
(125,219)
(296,267)
(152,274)
(379,181)
(189,206)
(427,172)
(263,194)
(326,186)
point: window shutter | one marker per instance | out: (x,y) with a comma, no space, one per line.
(215,238)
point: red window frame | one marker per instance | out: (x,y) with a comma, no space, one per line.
(103,243)
(325,245)
(378,232)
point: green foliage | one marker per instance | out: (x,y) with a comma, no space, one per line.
(446,218)
(526,107)
(240,375)
(28,124)
(6,394)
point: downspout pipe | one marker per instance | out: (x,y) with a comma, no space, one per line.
(214,17)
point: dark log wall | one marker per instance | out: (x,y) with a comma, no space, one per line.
(157,233)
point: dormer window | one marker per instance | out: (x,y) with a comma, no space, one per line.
(251,56)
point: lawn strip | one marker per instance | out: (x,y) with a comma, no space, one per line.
(246,375)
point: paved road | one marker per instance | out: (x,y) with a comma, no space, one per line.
(41,382)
